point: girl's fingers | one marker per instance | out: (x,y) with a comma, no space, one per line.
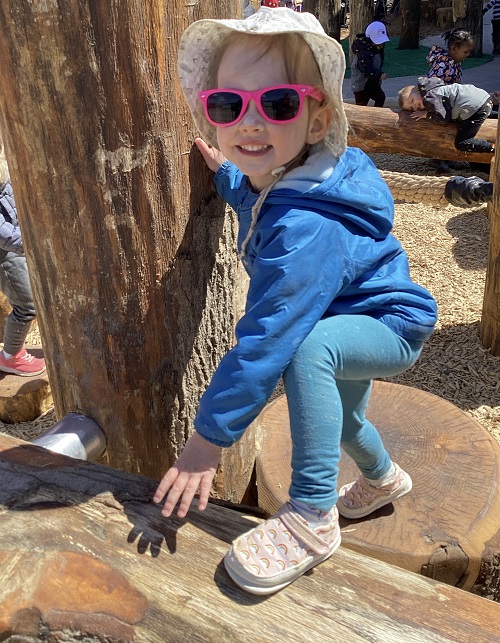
(165,484)
(205,488)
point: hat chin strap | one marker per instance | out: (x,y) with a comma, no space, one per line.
(278,173)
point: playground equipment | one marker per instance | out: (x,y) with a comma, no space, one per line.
(86,556)
(448,527)
(76,435)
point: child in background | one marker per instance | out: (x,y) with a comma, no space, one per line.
(467,105)
(446,64)
(330,303)
(15,285)
(367,63)
(495,24)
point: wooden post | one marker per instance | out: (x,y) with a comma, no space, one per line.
(490,320)
(130,252)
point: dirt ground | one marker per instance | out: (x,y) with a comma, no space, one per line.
(447,248)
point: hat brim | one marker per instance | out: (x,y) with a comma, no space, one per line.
(201,41)
(380,39)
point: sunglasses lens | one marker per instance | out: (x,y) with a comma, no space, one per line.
(224,107)
(281,104)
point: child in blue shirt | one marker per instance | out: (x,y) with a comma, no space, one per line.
(330,303)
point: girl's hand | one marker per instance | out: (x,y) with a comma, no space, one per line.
(419,115)
(195,469)
(213,157)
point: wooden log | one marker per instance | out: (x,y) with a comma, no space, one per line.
(490,319)
(381,130)
(85,555)
(23,399)
(446,527)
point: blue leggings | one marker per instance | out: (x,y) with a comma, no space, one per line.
(328,384)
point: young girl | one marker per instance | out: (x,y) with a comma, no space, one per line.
(330,303)
(446,64)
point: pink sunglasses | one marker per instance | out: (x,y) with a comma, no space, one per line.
(277,104)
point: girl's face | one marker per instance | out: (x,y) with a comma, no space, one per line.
(462,51)
(253,144)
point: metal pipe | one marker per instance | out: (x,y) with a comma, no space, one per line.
(75,435)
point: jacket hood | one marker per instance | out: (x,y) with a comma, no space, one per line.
(425,84)
(346,188)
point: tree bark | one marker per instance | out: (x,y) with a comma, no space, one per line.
(382,130)
(361,14)
(410,24)
(472,21)
(329,13)
(130,252)
(490,320)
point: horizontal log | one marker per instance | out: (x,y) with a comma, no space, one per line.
(84,553)
(392,131)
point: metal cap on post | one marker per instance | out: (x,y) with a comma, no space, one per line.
(75,435)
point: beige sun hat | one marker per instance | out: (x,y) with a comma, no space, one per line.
(201,41)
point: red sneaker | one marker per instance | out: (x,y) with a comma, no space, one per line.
(22,363)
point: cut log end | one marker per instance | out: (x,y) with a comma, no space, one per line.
(23,399)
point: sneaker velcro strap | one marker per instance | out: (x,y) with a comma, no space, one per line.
(302,532)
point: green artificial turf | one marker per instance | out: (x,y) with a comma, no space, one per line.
(408,62)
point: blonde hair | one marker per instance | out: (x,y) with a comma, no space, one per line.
(301,68)
(404,95)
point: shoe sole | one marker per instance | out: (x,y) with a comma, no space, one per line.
(12,371)
(247,582)
(377,504)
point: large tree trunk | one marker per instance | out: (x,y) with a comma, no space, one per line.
(490,320)
(131,256)
(471,19)
(410,24)
(329,13)
(361,14)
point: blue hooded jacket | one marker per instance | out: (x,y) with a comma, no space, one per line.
(321,246)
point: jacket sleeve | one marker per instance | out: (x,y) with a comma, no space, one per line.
(283,305)
(10,237)
(228,181)
(438,108)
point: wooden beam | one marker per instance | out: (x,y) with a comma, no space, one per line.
(384,130)
(490,320)
(84,550)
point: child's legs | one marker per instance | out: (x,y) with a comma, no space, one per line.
(362,97)
(378,97)
(467,130)
(360,439)
(327,385)
(495,25)
(15,284)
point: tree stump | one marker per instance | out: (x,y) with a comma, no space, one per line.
(448,527)
(23,399)
(85,555)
